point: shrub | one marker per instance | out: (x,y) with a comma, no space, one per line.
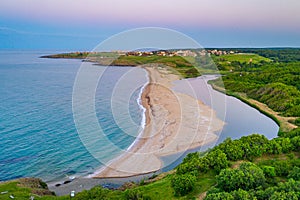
(183,184)
(133,194)
(217,160)
(96,193)
(219,196)
(281,168)
(248,176)
(295,174)
(269,171)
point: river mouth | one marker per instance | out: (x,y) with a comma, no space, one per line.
(240,120)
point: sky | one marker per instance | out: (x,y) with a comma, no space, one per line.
(83,24)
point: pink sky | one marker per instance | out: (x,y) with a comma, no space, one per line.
(268,14)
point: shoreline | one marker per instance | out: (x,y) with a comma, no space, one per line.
(169,129)
(144,117)
(282,122)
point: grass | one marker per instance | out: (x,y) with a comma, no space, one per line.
(182,66)
(12,189)
(161,189)
(25,188)
(243,58)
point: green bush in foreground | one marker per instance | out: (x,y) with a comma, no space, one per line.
(295,174)
(248,176)
(219,196)
(183,184)
(269,171)
(134,194)
(96,193)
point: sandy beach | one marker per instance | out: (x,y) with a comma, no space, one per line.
(175,122)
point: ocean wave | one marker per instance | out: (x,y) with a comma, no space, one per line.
(140,104)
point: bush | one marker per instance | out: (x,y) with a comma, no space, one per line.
(183,184)
(219,196)
(135,195)
(295,174)
(241,195)
(296,143)
(254,145)
(285,144)
(96,193)
(232,149)
(248,176)
(217,160)
(284,196)
(269,171)
(281,168)
(273,147)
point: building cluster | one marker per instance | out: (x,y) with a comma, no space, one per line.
(184,53)
(219,52)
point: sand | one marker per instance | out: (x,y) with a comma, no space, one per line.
(175,122)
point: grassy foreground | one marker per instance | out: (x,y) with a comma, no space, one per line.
(222,171)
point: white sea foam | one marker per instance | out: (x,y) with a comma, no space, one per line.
(143,124)
(140,104)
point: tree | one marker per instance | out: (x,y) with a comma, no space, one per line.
(273,147)
(284,196)
(248,176)
(254,145)
(183,184)
(217,160)
(265,194)
(192,163)
(296,143)
(241,195)
(285,144)
(290,186)
(269,171)
(281,168)
(232,149)
(219,196)
(295,174)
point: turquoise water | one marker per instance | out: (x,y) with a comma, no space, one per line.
(38,133)
(40,138)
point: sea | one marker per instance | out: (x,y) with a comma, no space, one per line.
(39,137)
(54,129)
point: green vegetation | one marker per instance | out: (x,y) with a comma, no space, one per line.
(252,77)
(251,167)
(276,54)
(75,55)
(183,183)
(178,63)
(24,188)
(83,55)
(235,61)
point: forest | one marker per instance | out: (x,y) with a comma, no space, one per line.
(273,82)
